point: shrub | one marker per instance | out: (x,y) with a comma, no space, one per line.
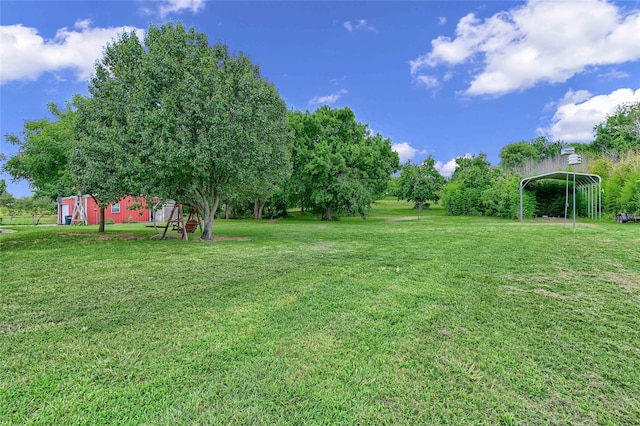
(453,200)
(502,199)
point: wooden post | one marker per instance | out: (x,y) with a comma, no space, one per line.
(166,228)
(79,214)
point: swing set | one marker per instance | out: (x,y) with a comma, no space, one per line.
(177,223)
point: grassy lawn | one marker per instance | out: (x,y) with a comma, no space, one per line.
(6,221)
(397,319)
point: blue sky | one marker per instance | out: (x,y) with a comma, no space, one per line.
(441,78)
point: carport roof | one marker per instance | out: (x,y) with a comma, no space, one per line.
(580,178)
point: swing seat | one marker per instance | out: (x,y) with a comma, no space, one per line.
(191,226)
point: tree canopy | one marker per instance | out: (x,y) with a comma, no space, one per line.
(619,132)
(43,154)
(195,122)
(421,183)
(173,117)
(516,154)
(338,165)
(463,194)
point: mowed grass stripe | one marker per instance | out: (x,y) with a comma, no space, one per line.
(401,318)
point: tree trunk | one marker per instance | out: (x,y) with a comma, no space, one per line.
(209,214)
(256,209)
(36,222)
(101,227)
(329,214)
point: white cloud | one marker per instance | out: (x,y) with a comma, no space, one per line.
(405,151)
(338,80)
(26,55)
(359,25)
(178,6)
(442,20)
(450,166)
(542,41)
(447,168)
(614,75)
(83,24)
(578,112)
(428,81)
(328,99)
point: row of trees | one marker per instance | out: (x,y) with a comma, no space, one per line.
(172,117)
(617,135)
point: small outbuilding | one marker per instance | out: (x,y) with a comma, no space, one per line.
(126,210)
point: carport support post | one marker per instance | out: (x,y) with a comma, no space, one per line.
(594,206)
(566,201)
(600,197)
(521,205)
(574,202)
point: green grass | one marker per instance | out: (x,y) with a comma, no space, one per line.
(396,319)
(6,221)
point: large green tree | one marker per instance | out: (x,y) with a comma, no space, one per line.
(338,165)
(106,160)
(197,122)
(472,171)
(43,154)
(421,183)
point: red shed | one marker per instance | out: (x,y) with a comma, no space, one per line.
(120,212)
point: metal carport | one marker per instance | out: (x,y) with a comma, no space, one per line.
(589,184)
